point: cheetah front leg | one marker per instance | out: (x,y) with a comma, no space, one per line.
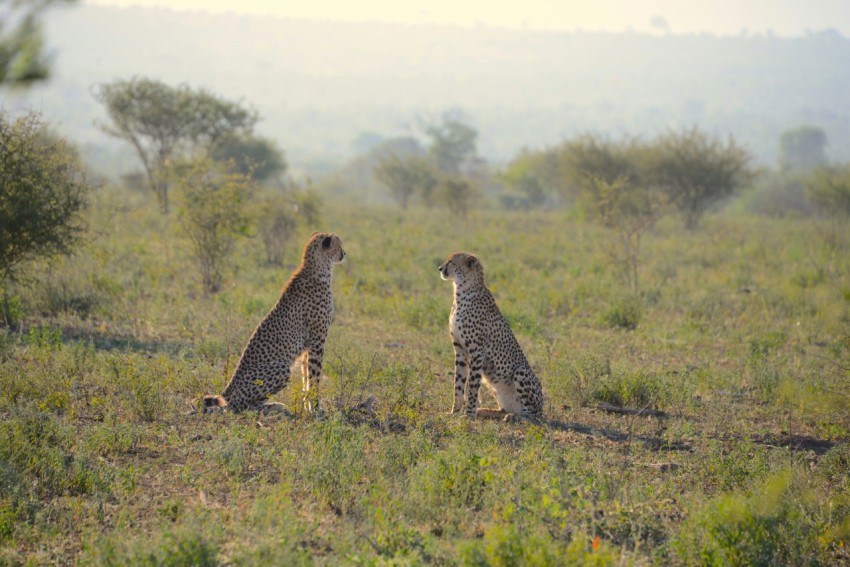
(461,372)
(311,371)
(476,367)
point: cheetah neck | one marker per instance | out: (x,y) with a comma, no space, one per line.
(468,291)
(316,270)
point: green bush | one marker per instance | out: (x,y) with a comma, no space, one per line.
(141,389)
(637,390)
(213,212)
(446,482)
(624,313)
(506,545)
(39,460)
(184,548)
(835,465)
(43,195)
(770,525)
(334,466)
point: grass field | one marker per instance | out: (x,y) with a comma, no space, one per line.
(739,335)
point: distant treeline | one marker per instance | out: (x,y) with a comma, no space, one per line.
(520,89)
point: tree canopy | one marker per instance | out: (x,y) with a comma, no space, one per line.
(251,155)
(43,194)
(452,141)
(697,170)
(22,56)
(162,122)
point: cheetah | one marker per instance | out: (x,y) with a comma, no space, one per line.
(485,348)
(293,331)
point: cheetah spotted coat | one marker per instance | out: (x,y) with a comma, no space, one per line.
(297,324)
(485,348)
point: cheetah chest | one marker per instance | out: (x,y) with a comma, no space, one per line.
(461,324)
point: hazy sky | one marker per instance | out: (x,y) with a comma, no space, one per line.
(726,17)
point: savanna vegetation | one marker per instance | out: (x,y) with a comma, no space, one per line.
(694,360)
(739,336)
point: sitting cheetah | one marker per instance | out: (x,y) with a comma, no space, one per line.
(297,325)
(485,347)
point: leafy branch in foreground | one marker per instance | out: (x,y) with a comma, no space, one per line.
(43,194)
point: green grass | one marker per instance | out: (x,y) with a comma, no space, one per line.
(738,334)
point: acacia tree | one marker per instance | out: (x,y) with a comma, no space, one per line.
(697,171)
(22,57)
(43,194)
(452,141)
(162,122)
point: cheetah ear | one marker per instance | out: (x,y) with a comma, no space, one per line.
(326,243)
(471,261)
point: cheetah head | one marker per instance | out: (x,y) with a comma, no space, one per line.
(462,268)
(326,246)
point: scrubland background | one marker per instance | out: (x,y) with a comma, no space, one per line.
(736,336)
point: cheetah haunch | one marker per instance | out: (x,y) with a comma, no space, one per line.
(485,348)
(297,325)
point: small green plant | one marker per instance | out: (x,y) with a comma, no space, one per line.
(406,176)
(40,462)
(448,479)
(7,344)
(625,313)
(278,216)
(637,390)
(630,210)
(213,213)
(835,465)
(507,545)
(189,549)
(43,336)
(762,376)
(829,188)
(393,540)
(8,519)
(11,309)
(143,392)
(335,471)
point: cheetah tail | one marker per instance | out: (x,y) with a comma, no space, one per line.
(212,403)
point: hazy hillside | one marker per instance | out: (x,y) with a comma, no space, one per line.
(319,84)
